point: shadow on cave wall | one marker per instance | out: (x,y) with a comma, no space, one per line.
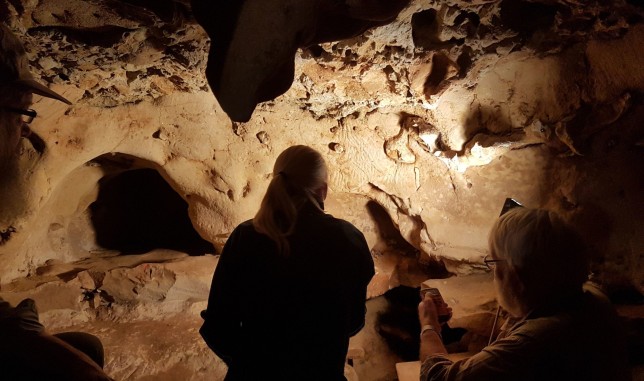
(487,120)
(412,267)
(137,211)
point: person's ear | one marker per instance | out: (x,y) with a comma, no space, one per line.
(518,287)
(322,191)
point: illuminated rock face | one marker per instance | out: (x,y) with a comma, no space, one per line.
(427,123)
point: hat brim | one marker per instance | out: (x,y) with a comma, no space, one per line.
(41,89)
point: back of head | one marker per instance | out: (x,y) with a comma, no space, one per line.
(548,256)
(299,172)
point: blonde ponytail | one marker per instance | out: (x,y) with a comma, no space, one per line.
(298,173)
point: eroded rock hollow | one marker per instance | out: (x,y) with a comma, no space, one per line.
(428,113)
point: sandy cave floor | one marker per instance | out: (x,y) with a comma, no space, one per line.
(145,309)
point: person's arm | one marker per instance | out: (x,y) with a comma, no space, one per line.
(430,336)
(221,327)
(518,356)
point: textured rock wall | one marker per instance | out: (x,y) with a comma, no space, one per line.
(427,123)
(437,117)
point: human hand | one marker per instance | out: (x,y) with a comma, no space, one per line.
(429,312)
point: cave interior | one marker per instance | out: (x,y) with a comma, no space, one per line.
(429,115)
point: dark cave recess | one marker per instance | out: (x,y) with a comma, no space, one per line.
(137,211)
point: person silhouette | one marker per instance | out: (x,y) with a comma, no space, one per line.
(290,286)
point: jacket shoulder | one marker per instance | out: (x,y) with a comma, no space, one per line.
(341,224)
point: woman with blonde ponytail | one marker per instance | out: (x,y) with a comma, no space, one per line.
(290,286)
(299,177)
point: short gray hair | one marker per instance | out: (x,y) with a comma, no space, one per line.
(548,255)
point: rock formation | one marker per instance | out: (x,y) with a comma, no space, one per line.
(428,121)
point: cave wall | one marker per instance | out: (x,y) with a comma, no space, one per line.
(428,123)
(437,117)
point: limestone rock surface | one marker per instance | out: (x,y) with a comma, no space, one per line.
(427,122)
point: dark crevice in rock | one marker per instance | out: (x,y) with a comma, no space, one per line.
(628,295)
(426,29)
(464,61)
(398,324)
(527,17)
(468,22)
(316,51)
(166,10)
(5,234)
(136,211)
(442,69)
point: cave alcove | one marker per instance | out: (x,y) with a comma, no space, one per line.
(137,211)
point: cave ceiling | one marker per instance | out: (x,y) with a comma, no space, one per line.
(158,46)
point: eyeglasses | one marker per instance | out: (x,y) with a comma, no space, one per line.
(29,115)
(491,263)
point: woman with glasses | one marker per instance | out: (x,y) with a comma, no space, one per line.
(290,286)
(559,328)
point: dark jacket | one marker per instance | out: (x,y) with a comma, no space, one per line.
(289,318)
